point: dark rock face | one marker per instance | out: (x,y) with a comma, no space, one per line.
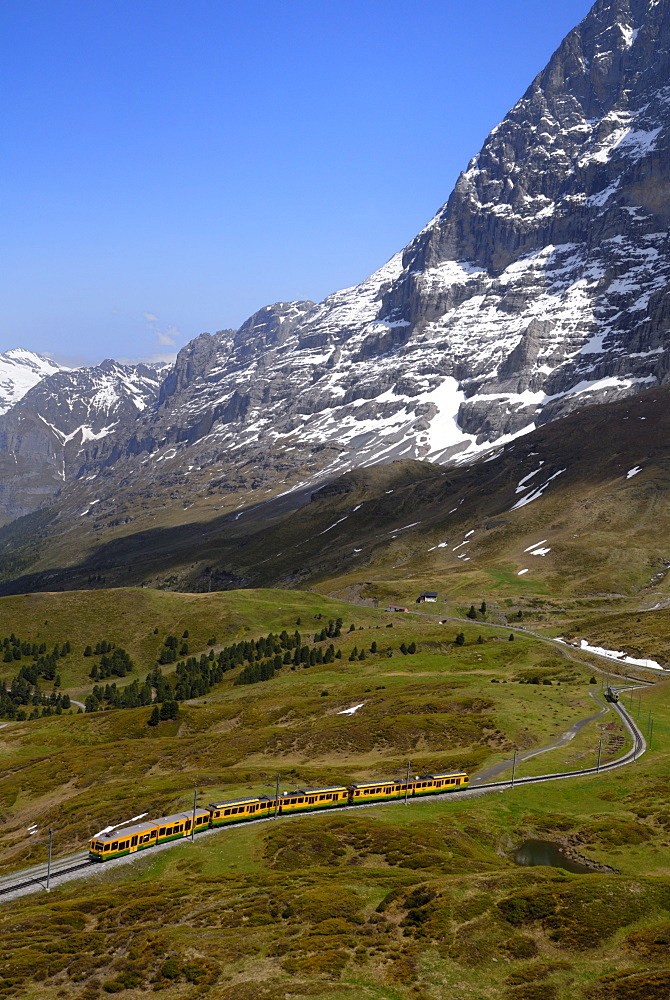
(542,285)
(44,435)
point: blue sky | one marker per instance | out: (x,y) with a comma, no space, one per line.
(170,166)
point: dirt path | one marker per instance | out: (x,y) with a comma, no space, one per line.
(492,772)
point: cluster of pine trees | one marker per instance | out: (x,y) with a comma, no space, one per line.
(168,653)
(24,701)
(118,664)
(135,695)
(261,659)
(332,631)
(23,690)
(100,647)
(16,649)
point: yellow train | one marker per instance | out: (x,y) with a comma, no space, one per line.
(139,837)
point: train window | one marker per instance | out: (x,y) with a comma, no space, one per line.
(300,801)
(115,845)
(168,831)
(329,796)
(187,824)
(226,812)
(161,832)
(357,793)
(153,834)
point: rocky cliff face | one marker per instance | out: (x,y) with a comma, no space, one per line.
(44,435)
(541,285)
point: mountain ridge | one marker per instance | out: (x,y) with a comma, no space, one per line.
(540,287)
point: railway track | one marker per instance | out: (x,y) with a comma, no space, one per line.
(638,748)
(5,890)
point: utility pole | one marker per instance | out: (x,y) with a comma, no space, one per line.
(600,747)
(195,802)
(277,796)
(513,767)
(651,730)
(409,764)
(51,844)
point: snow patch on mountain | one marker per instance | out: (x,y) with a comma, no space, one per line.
(20,370)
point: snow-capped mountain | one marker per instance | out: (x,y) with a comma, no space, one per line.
(542,285)
(19,371)
(43,436)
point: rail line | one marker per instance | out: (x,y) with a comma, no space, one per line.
(638,748)
(5,890)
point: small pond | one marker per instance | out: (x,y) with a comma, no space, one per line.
(544,852)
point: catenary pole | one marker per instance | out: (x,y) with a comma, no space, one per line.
(195,804)
(409,764)
(51,843)
(277,796)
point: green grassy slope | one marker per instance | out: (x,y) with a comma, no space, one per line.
(129,617)
(394,902)
(439,707)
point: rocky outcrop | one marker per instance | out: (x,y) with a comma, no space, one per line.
(43,437)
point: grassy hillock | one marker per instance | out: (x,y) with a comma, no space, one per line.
(139,619)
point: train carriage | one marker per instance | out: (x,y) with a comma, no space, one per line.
(107,846)
(433,784)
(376,791)
(239,810)
(309,799)
(178,825)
